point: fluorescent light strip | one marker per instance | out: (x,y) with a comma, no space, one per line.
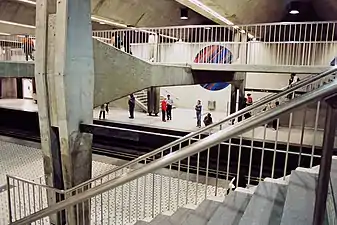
(109,22)
(27,1)
(17,24)
(211,11)
(4,34)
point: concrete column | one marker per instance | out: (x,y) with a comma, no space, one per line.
(153,100)
(8,88)
(65,83)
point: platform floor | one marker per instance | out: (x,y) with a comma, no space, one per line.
(185,120)
(26,162)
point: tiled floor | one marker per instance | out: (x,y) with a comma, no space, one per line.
(132,201)
(184,119)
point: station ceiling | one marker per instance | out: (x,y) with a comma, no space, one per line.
(154,13)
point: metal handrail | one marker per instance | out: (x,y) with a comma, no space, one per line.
(37,184)
(197,147)
(241,112)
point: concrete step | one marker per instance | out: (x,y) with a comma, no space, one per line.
(141,223)
(202,214)
(299,205)
(232,209)
(159,219)
(266,204)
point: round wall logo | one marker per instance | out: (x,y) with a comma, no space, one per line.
(214,54)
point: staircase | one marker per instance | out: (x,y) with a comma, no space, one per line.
(156,187)
(272,202)
(141,100)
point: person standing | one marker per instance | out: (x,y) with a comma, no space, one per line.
(163,109)
(198,109)
(107,108)
(132,102)
(28,47)
(102,112)
(169,107)
(249,102)
(292,81)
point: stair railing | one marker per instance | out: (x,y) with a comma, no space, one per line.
(312,81)
(179,175)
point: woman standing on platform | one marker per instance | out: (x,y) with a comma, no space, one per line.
(163,109)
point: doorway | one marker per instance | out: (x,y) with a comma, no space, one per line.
(27,87)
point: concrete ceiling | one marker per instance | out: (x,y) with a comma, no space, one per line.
(154,13)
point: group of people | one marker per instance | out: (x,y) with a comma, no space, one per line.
(166,108)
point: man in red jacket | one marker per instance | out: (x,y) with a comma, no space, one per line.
(163,109)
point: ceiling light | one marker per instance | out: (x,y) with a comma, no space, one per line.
(17,24)
(27,1)
(294,7)
(109,22)
(211,11)
(4,34)
(294,11)
(184,13)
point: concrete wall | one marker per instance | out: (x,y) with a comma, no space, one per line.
(258,53)
(8,88)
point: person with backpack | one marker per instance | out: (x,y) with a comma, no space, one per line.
(208,120)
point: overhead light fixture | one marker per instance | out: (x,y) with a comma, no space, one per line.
(109,22)
(294,7)
(6,34)
(294,12)
(17,24)
(184,13)
(27,1)
(211,11)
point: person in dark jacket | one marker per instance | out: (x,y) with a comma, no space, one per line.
(208,120)
(102,112)
(198,109)
(132,102)
(107,108)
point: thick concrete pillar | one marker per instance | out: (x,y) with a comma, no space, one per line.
(8,88)
(65,83)
(153,100)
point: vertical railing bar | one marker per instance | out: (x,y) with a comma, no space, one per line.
(228,158)
(262,153)
(275,147)
(302,137)
(315,131)
(9,199)
(288,146)
(197,179)
(207,167)
(217,171)
(239,162)
(251,156)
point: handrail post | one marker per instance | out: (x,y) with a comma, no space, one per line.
(326,158)
(9,200)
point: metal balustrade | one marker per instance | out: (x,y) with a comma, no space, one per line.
(186,164)
(277,44)
(303,44)
(222,170)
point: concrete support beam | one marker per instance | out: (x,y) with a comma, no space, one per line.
(17,69)
(64,75)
